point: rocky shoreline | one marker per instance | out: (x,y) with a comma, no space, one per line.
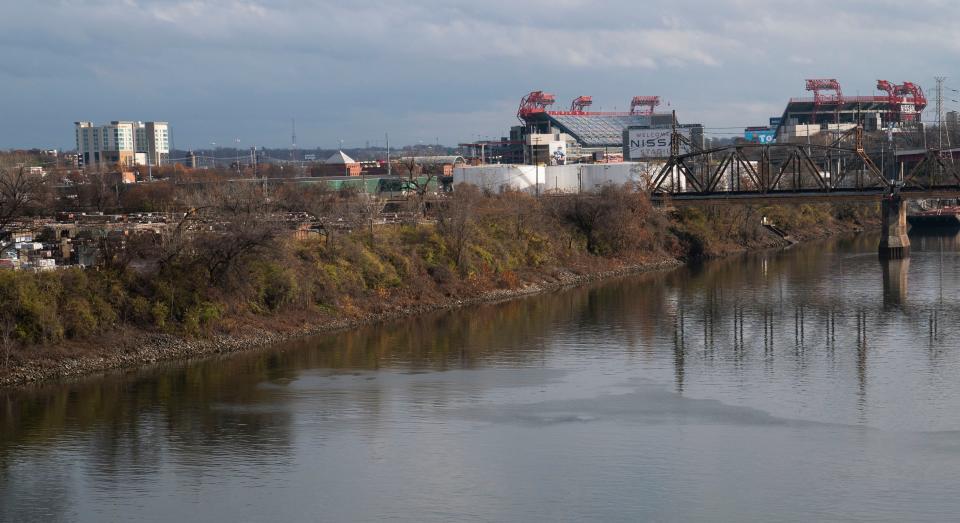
(149,348)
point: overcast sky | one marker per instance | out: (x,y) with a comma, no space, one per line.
(447,70)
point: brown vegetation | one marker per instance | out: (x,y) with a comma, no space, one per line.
(20,193)
(233,260)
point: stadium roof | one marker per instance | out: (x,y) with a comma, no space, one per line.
(851,110)
(593,129)
(850,103)
(597,130)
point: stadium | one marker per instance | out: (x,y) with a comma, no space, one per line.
(829,109)
(548,136)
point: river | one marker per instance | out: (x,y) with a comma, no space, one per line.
(815,383)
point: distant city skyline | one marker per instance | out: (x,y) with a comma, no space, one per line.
(428,71)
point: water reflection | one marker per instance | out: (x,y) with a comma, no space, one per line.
(820,332)
(895,282)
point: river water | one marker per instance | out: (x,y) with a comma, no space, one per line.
(810,384)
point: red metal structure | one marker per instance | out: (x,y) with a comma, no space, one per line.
(647,102)
(535,102)
(911,94)
(579,103)
(818,85)
(892,98)
(906,100)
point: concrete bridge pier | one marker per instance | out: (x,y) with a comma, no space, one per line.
(894,243)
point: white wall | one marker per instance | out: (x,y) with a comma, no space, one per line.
(556,178)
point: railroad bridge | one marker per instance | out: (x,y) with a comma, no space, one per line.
(806,172)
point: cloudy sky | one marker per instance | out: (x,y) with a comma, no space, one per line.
(447,70)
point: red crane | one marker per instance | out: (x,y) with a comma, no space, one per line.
(825,84)
(818,85)
(579,103)
(535,102)
(893,100)
(916,99)
(906,100)
(647,102)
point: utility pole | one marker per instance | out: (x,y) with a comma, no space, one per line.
(238,157)
(293,140)
(940,80)
(387,137)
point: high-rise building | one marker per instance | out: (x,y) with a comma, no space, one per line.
(952,121)
(123,142)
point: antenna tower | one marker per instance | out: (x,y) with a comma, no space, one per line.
(293,139)
(940,119)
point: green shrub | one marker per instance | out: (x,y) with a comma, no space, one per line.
(79,320)
(159,314)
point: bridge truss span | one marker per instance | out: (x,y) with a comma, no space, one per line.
(841,170)
(804,173)
(768,169)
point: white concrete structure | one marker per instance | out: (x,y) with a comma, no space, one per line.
(548,148)
(339,158)
(123,142)
(571,178)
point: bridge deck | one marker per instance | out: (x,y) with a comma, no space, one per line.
(796,197)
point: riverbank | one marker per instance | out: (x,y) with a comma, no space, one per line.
(504,248)
(598,379)
(144,348)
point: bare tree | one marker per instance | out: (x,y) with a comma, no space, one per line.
(19,192)
(8,327)
(457,217)
(611,221)
(420,187)
(237,224)
(332,211)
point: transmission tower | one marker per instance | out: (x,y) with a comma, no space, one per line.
(293,139)
(943,134)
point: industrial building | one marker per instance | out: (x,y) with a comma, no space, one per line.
(338,164)
(551,135)
(555,137)
(830,110)
(122,142)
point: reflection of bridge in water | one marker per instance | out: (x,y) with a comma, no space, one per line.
(805,173)
(812,305)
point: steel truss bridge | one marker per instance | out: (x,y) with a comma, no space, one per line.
(841,170)
(804,173)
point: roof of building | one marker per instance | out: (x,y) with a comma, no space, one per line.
(339,158)
(601,129)
(850,103)
(853,108)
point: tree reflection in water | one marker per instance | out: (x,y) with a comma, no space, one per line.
(818,303)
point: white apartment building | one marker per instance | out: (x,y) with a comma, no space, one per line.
(123,142)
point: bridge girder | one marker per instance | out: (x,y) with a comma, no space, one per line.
(761,171)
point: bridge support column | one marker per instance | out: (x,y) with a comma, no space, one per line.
(894,243)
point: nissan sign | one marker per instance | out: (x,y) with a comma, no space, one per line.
(652,143)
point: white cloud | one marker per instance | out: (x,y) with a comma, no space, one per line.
(449,61)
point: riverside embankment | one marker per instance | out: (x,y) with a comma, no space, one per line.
(721,391)
(208,299)
(145,348)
